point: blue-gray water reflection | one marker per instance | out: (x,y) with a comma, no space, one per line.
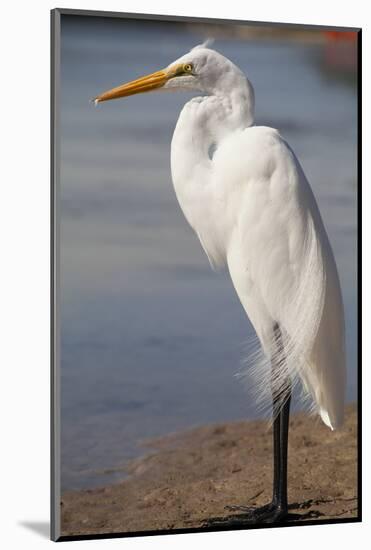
(151,337)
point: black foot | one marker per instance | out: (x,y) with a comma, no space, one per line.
(270,513)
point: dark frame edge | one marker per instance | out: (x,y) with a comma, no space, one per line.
(99,536)
(54,375)
(359,270)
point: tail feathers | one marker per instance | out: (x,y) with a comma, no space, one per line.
(326,419)
(326,394)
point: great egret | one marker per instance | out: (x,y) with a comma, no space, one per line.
(244,193)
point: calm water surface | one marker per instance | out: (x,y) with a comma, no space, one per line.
(151,337)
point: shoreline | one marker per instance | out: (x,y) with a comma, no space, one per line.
(189,477)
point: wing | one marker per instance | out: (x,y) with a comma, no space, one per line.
(284,272)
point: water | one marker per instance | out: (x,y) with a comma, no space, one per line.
(151,337)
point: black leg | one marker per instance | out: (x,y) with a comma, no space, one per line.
(281,411)
(277,510)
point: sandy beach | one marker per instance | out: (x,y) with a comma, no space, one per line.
(188,477)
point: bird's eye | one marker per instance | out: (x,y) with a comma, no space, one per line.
(188,67)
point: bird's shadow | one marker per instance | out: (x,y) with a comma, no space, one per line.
(308,504)
(243,519)
(42,528)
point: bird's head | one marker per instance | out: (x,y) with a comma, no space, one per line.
(202,69)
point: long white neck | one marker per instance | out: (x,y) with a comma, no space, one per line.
(202,126)
(203,123)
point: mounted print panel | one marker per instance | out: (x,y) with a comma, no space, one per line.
(205,361)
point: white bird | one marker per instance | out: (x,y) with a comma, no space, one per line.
(244,193)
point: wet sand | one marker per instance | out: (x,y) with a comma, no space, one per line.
(189,477)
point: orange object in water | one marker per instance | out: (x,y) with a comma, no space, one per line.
(340,51)
(341,35)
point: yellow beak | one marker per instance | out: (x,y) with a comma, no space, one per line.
(143,84)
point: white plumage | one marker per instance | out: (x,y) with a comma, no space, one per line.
(244,193)
(253,211)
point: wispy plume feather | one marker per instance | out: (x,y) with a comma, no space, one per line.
(206,44)
(301,311)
